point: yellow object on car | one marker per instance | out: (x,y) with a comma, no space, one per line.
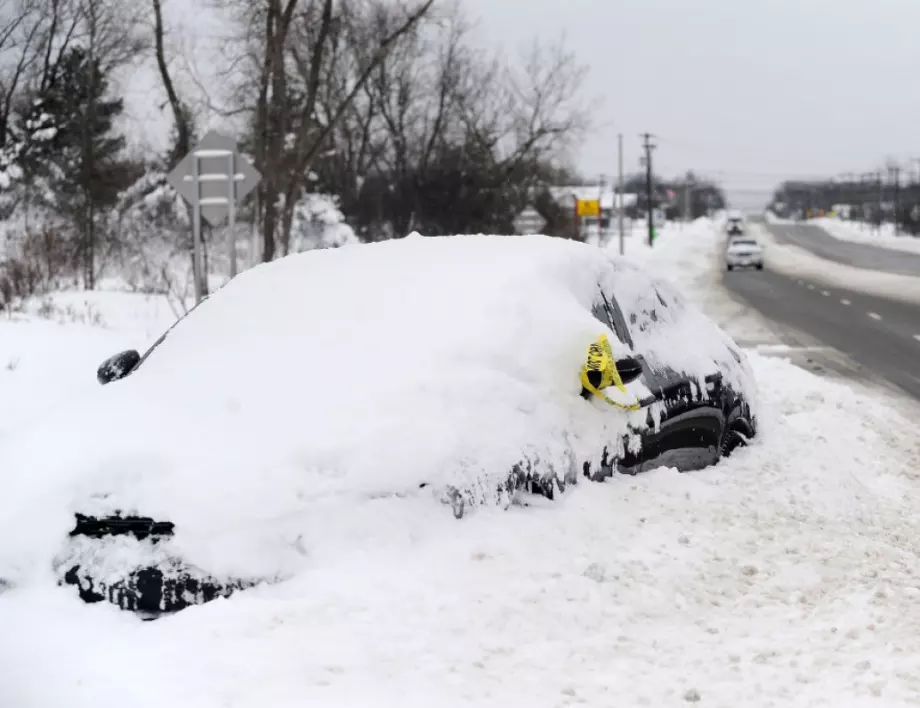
(600,372)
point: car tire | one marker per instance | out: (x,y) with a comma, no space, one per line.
(729,268)
(760,266)
(735,434)
(731,441)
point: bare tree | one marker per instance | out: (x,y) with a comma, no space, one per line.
(290,132)
(22,23)
(181,117)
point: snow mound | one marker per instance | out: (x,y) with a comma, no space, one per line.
(861,232)
(328,379)
(785,572)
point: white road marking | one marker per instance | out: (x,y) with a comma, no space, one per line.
(825,293)
(844,302)
(811,287)
(875,316)
(917,337)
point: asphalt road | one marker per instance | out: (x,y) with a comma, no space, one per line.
(881,335)
(859,255)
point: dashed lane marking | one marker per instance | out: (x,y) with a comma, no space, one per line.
(875,316)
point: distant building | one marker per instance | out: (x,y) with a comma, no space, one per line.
(610,202)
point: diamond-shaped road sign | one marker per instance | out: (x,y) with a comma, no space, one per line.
(203,177)
(529,221)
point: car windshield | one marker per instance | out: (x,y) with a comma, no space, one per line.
(744,243)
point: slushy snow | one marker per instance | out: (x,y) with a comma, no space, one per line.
(783,576)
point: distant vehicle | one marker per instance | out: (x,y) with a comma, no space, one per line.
(743,252)
(735,224)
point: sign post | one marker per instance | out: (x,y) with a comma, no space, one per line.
(529,221)
(213,178)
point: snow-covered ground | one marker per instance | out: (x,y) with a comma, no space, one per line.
(860,232)
(784,576)
(801,263)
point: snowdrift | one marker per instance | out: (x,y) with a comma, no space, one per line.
(313,385)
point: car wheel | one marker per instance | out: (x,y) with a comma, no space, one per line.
(735,435)
(731,441)
(760,266)
(729,267)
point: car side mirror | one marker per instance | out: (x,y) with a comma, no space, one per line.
(118,366)
(630,369)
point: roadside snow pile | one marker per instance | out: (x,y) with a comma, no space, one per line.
(329,379)
(797,262)
(783,576)
(860,232)
(50,351)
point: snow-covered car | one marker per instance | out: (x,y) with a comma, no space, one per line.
(744,252)
(470,370)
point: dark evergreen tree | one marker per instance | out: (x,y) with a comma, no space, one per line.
(71,143)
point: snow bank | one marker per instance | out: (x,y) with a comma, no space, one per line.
(311,385)
(801,263)
(860,232)
(49,352)
(785,576)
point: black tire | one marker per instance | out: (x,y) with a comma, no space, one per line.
(732,439)
(760,266)
(729,268)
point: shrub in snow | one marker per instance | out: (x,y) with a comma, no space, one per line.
(318,223)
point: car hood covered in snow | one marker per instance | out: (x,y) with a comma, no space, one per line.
(321,381)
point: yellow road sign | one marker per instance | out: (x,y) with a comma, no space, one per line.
(588,207)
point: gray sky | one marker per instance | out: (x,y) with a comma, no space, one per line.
(745,91)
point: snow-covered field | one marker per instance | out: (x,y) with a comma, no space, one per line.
(784,576)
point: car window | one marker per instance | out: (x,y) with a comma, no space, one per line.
(608,311)
(646,307)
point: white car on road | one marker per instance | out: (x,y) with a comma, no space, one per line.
(744,252)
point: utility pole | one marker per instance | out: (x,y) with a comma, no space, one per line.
(621,203)
(688,194)
(600,211)
(895,175)
(648,147)
(881,198)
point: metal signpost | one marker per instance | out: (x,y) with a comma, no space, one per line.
(529,221)
(213,178)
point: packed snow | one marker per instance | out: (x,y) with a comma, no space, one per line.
(785,575)
(801,263)
(309,385)
(860,232)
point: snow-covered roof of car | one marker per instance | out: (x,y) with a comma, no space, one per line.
(328,377)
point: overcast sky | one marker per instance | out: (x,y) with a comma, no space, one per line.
(745,91)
